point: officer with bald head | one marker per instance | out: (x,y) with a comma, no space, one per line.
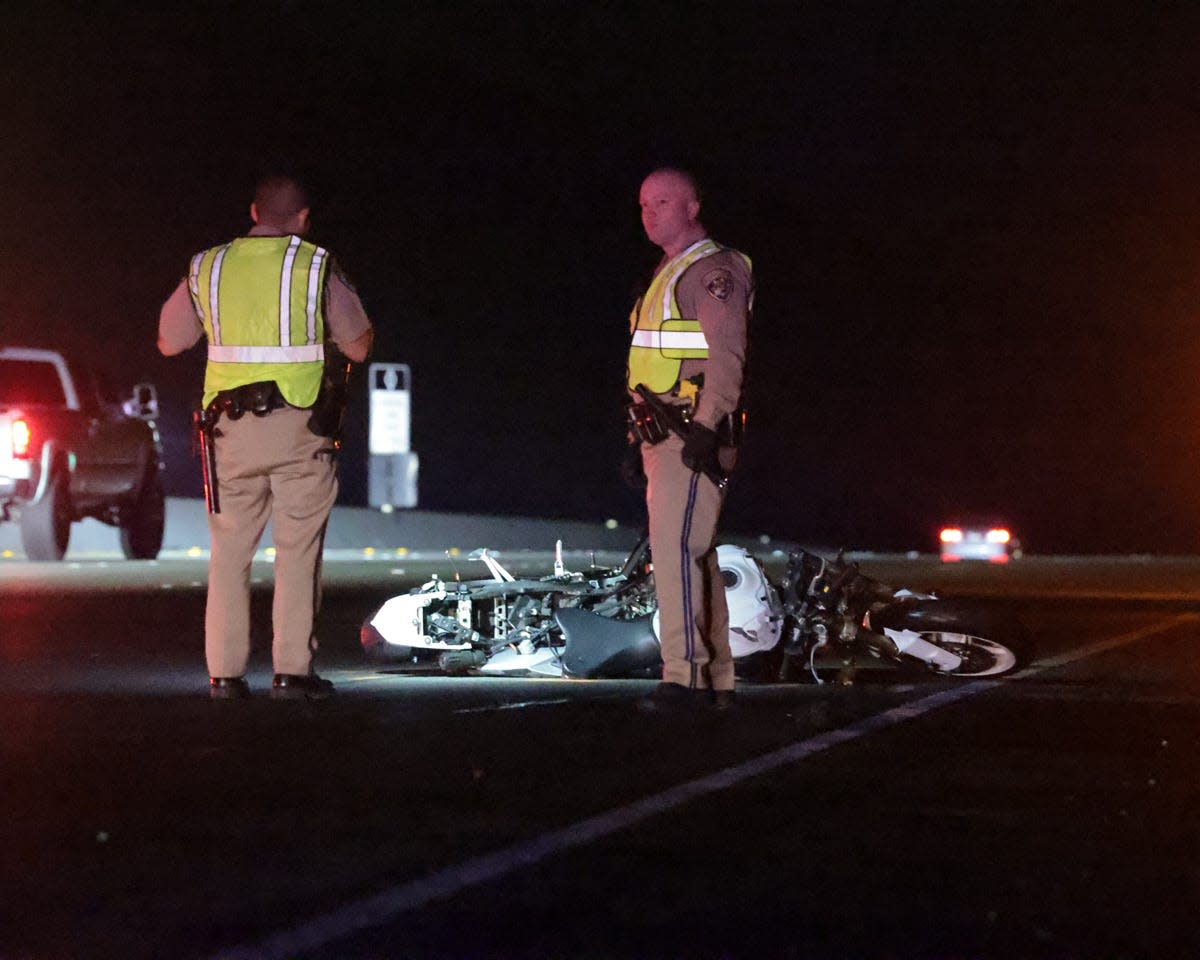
(688,348)
(273,308)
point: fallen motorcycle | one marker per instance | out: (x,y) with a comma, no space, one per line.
(833,608)
(824,618)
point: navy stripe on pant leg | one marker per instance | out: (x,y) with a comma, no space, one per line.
(689,626)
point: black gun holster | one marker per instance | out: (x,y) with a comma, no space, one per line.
(329,411)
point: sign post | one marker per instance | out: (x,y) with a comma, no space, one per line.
(392,466)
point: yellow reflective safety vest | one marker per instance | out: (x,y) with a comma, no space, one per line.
(661,338)
(261,300)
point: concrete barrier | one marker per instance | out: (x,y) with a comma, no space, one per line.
(360,528)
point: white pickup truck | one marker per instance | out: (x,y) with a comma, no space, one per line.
(71,448)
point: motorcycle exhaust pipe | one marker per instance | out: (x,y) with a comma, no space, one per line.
(461,661)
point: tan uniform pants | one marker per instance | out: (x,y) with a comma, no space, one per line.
(693,617)
(266,470)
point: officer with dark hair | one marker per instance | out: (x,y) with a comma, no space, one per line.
(269,304)
(686,358)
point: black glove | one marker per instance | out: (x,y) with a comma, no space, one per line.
(699,452)
(632,472)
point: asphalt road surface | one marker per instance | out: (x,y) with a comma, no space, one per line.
(1052,814)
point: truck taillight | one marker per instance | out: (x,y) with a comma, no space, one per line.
(22,438)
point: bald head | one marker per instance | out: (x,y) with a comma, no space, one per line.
(681,178)
(282,203)
(670,202)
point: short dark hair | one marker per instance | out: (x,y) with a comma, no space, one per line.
(279,197)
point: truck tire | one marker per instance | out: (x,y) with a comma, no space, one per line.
(46,525)
(142,527)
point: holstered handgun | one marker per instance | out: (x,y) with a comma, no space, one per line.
(679,422)
(329,412)
(204,422)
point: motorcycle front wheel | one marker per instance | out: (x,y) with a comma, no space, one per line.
(989,644)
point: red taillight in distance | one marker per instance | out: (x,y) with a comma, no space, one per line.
(22,438)
(951,535)
(999,536)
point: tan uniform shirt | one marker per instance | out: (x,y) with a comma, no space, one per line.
(179,326)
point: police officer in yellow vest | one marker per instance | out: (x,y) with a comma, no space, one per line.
(688,349)
(268,304)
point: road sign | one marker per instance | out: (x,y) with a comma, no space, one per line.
(391,408)
(391,465)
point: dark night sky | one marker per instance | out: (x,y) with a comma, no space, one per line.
(974,227)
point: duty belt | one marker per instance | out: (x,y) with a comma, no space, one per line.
(648,425)
(258,398)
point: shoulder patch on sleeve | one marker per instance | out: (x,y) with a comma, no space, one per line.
(719,283)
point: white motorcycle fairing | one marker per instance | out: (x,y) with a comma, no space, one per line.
(540,661)
(401,621)
(911,644)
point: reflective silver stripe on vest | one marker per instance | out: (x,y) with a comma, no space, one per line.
(309,353)
(314,292)
(669,290)
(214,284)
(194,278)
(670,339)
(285,292)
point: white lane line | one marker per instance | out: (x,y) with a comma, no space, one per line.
(1112,643)
(362,677)
(383,907)
(386,906)
(495,707)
